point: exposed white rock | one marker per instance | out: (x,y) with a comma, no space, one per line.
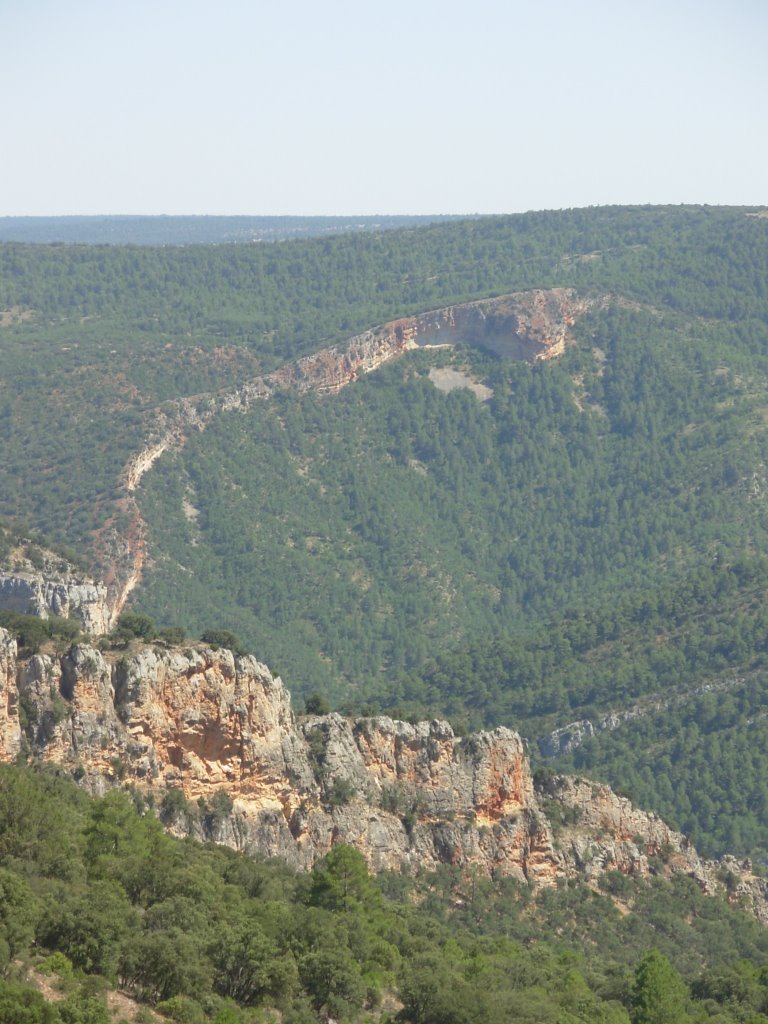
(67,595)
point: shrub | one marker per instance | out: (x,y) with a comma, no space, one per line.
(142,626)
(342,792)
(182,1010)
(316,704)
(217,638)
(221,804)
(173,635)
(174,805)
(57,963)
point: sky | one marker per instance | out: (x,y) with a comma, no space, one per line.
(396,107)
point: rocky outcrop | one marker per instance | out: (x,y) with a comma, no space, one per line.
(568,737)
(56,592)
(532,326)
(211,739)
(599,832)
(206,722)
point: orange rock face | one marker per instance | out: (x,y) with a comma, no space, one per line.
(202,721)
(530,325)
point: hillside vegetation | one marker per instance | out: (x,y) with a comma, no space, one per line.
(673,680)
(349,537)
(95,336)
(95,895)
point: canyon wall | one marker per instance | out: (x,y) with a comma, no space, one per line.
(530,326)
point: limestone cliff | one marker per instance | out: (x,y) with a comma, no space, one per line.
(532,326)
(203,721)
(49,585)
(219,730)
(605,832)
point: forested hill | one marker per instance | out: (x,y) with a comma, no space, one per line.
(178,230)
(94,337)
(360,541)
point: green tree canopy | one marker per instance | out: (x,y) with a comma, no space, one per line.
(659,995)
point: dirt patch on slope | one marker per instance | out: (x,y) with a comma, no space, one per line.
(448,379)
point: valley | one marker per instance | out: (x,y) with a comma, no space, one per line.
(488,495)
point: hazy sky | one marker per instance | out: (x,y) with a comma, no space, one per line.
(402,106)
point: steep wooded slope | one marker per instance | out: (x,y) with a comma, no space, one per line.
(100,896)
(94,337)
(393,519)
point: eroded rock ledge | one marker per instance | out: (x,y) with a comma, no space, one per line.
(532,325)
(212,725)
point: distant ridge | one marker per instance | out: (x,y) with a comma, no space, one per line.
(198,230)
